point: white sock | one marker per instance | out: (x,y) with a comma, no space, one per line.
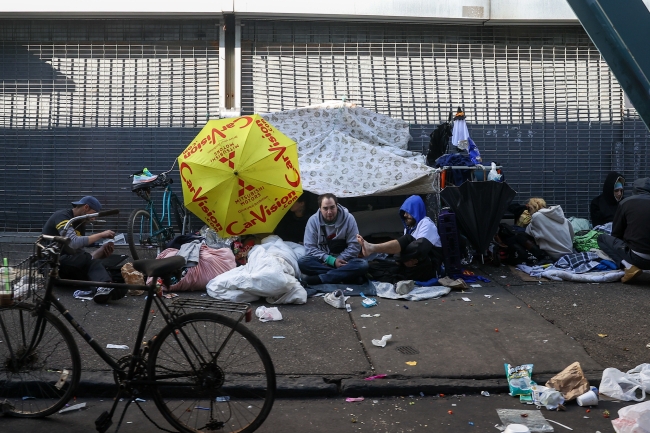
(627,265)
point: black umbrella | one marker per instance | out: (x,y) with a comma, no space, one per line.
(479,207)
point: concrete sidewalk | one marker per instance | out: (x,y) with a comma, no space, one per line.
(327,351)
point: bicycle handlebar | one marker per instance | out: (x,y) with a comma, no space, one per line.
(91,215)
(59,239)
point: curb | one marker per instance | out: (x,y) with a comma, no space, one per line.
(101,384)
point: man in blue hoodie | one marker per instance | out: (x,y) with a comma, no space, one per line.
(419,249)
(332,247)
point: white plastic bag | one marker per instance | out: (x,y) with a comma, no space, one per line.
(642,373)
(493,174)
(633,419)
(271,314)
(622,386)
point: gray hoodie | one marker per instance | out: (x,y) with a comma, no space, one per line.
(345,229)
(552,231)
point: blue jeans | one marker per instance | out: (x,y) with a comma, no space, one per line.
(349,273)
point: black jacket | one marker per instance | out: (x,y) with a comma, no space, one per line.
(603,207)
(631,219)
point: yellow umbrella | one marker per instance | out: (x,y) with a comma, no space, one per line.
(240,176)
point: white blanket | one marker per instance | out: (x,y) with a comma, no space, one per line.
(271,272)
(589,277)
(387,290)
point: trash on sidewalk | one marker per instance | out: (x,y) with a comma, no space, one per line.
(548,397)
(367,302)
(466,299)
(348,308)
(457,284)
(411,363)
(571,382)
(376,376)
(84,295)
(170,295)
(117,346)
(519,379)
(370,315)
(279,337)
(621,386)
(589,398)
(485,393)
(632,419)
(476,286)
(562,425)
(353,399)
(533,419)
(72,408)
(265,314)
(382,342)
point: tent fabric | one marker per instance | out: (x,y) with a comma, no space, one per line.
(351,151)
(479,207)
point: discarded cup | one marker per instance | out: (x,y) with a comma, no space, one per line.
(589,398)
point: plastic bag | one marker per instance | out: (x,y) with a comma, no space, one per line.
(642,373)
(633,419)
(268,314)
(520,379)
(493,175)
(621,386)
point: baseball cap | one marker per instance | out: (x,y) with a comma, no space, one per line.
(90,201)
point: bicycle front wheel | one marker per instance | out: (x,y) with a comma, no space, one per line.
(142,235)
(211,373)
(40,364)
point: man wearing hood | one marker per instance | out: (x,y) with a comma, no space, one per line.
(332,247)
(603,207)
(419,249)
(629,244)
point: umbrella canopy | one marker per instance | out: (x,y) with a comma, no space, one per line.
(240,176)
(479,207)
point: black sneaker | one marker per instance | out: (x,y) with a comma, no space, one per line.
(102,295)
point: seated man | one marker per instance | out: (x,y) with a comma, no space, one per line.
(77,264)
(603,207)
(332,247)
(629,244)
(419,249)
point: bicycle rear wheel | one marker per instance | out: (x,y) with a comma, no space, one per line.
(211,373)
(139,231)
(39,381)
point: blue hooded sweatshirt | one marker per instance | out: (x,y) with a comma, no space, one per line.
(424,227)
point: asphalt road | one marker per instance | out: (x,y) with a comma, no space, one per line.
(470,413)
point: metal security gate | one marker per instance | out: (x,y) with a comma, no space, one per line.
(541,101)
(83,104)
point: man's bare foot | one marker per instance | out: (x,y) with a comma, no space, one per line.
(366,247)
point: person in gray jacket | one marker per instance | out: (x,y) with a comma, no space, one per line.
(332,248)
(551,230)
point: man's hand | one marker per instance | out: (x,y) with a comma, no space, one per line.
(107,234)
(103,251)
(339,262)
(410,263)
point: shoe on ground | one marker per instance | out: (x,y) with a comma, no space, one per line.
(102,294)
(404,287)
(311,280)
(631,273)
(335,299)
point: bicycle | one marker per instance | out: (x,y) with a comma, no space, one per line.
(146,231)
(205,371)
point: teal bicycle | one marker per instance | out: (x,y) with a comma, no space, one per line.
(147,231)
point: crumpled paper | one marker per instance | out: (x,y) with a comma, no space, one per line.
(382,342)
(271,314)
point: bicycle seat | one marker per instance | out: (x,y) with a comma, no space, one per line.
(159,267)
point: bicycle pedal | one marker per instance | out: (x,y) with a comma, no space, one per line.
(103,422)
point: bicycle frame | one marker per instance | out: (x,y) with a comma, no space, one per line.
(164,221)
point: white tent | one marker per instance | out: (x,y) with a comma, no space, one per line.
(352,152)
